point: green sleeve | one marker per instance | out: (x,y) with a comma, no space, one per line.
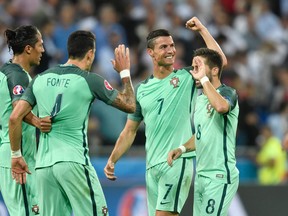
(28,94)
(101,88)
(230,95)
(17,84)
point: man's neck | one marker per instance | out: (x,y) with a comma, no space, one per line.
(20,60)
(80,64)
(161,72)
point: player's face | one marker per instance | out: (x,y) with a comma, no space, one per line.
(199,70)
(164,51)
(36,51)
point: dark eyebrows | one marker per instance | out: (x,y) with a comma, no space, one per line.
(166,45)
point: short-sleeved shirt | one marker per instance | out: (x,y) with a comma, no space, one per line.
(165,106)
(271,150)
(13,82)
(216,137)
(66,93)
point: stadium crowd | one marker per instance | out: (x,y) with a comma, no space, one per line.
(252,33)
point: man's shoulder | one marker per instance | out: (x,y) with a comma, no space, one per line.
(10,69)
(227,90)
(144,82)
(67,71)
(184,69)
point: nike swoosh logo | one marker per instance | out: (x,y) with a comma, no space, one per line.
(163,203)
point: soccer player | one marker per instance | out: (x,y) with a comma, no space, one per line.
(270,158)
(215,120)
(27,46)
(164,102)
(66,179)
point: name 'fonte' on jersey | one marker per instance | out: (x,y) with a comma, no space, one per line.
(57,82)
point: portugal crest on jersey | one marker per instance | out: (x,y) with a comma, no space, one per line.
(35,209)
(209,110)
(175,82)
(104,210)
(18,90)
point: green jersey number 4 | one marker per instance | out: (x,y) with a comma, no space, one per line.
(57,106)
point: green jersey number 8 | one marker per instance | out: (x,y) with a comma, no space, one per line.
(198,134)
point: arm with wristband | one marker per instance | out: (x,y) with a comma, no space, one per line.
(125,100)
(176,153)
(219,103)
(18,165)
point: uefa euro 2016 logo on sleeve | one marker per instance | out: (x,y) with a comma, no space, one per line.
(107,85)
(18,90)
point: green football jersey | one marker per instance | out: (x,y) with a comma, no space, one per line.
(66,93)
(216,137)
(165,106)
(13,82)
(0,132)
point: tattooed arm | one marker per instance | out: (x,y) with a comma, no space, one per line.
(125,100)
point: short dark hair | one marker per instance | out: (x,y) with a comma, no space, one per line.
(22,36)
(213,58)
(79,43)
(154,34)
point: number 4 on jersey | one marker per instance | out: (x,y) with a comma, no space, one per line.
(57,106)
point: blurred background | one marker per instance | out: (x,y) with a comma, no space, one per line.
(252,33)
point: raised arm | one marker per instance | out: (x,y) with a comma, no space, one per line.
(125,100)
(194,24)
(123,143)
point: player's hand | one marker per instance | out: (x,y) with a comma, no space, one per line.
(19,169)
(109,171)
(199,68)
(122,58)
(173,155)
(194,24)
(45,124)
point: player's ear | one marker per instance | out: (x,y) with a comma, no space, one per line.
(28,49)
(215,71)
(90,55)
(150,52)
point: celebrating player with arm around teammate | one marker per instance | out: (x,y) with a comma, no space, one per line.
(164,102)
(215,120)
(66,179)
(27,46)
